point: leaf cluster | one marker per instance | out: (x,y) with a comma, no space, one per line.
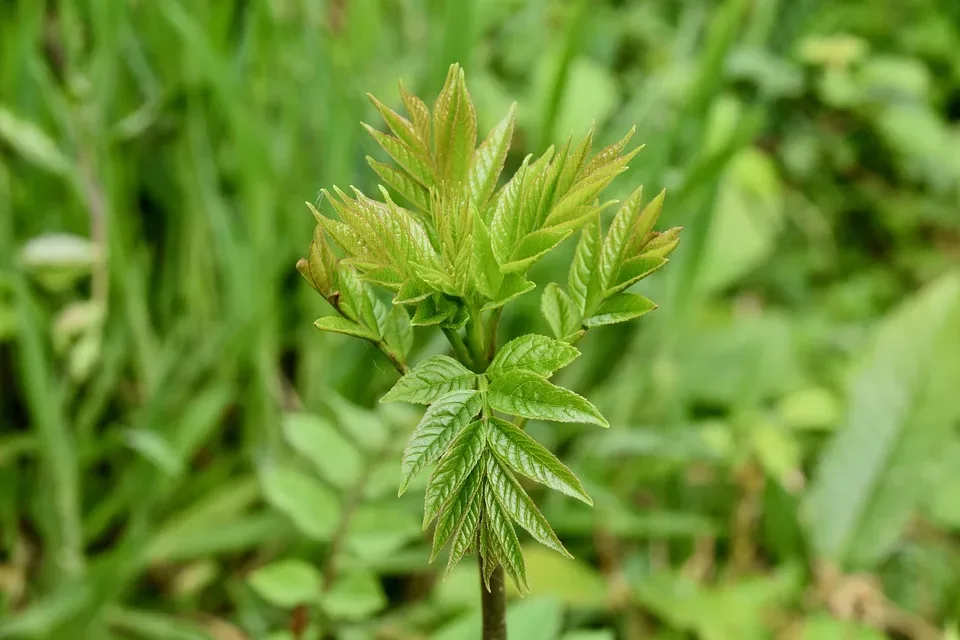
(473,491)
(456,244)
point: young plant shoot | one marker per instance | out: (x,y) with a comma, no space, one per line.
(453,248)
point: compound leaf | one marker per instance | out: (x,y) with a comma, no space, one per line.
(454,467)
(441,422)
(528,457)
(520,506)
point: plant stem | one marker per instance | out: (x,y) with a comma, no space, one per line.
(492,333)
(459,348)
(475,340)
(494,603)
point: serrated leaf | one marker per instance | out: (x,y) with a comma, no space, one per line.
(400,126)
(525,394)
(536,353)
(465,537)
(454,127)
(583,283)
(533,247)
(398,332)
(408,158)
(432,311)
(647,219)
(488,160)
(287,583)
(620,308)
(503,539)
(441,422)
(528,457)
(419,115)
(320,266)
(412,292)
(356,300)
(619,234)
(634,270)
(505,220)
(903,407)
(336,324)
(431,379)
(662,245)
(513,286)
(415,193)
(520,506)
(452,470)
(452,517)
(560,311)
(486,269)
(607,154)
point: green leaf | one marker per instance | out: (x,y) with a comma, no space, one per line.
(901,413)
(400,126)
(311,506)
(335,458)
(337,324)
(454,467)
(505,222)
(398,332)
(618,238)
(560,311)
(429,380)
(453,516)
(620,308)
(634,270)
(647,220)
(354,596)
(502,539)
(441,422)
(320,268)
(539,354)
(661,245)
(533,247)
(405,156)
(518,504)
(415,193)
(465,537)
(573,582)
(287,583)
(528,457)
(433,310)
(521,393)
(489,158)
(583,283)
(486,269)
(454,127)
(33,143)
(512,287)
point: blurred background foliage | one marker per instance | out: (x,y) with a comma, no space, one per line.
(183,456)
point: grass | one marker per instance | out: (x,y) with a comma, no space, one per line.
(147,371)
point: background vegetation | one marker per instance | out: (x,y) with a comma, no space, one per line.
(182,455)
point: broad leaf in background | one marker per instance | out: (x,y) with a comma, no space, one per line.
(903,404)
(310,505)
(287,583)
